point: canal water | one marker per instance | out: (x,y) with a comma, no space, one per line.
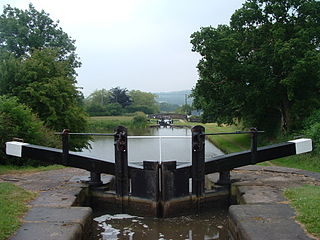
(155,144)
(209,225)
(167,144)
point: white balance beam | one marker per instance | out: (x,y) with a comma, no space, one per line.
(303,145)
(14,148)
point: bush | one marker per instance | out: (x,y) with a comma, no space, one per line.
(139,120)
(312,128)
(314,133)
(17,121)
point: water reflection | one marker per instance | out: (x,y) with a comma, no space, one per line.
(153,149)
(209,225)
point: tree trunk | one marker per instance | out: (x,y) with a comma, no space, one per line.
(285,115)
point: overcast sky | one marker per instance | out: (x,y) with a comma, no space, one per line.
(135,44)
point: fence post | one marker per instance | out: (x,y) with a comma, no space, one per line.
(121,163)
(224,178)
(65,147)
(254,145)
(95,178)
(198,164)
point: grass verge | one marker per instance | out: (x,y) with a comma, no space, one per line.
(306,201)
(307,161)
(241,142)
(226,143)
(12,169)
(108,123)
(13,204)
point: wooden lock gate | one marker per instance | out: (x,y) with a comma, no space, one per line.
(160,189)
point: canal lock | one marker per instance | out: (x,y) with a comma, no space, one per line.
(208,222)
(183,220)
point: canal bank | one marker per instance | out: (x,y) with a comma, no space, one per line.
(262,213)
(56,213)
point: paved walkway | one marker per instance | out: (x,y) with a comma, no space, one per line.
(52,216)
(263,212)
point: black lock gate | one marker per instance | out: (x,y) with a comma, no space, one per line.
(159,189)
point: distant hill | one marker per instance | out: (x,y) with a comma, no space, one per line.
(176,97)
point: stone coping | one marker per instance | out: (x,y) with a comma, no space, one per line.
(262,212)
(53,214)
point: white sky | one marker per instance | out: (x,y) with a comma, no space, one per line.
(135,44)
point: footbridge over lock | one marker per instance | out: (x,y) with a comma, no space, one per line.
(160,188)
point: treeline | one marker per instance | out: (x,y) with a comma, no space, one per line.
(119,101)
(38,95)
(262,70)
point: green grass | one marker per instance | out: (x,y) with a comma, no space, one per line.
(307,161)
(306,201)
(11,169)
(241,142)
(108,124)
(112,118)
(13,204)
(226,143)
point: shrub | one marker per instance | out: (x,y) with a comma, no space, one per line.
(139,120)
(17,120)
(312,128)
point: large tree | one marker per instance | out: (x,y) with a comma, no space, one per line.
(143,102)
(22,31)
(117,101)
(37,65)
(120,96)
(263,69)
(98,104)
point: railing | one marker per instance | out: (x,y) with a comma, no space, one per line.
(160,141)
(253,133)
(198,155)
(66,133)
(160,182)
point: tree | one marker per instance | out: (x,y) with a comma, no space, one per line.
(184,109)
(22,31)
(167,107)
(43,84)
(96,103)
(143,102)
(120,96)
(116,101)
(37,65)
(263,69)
